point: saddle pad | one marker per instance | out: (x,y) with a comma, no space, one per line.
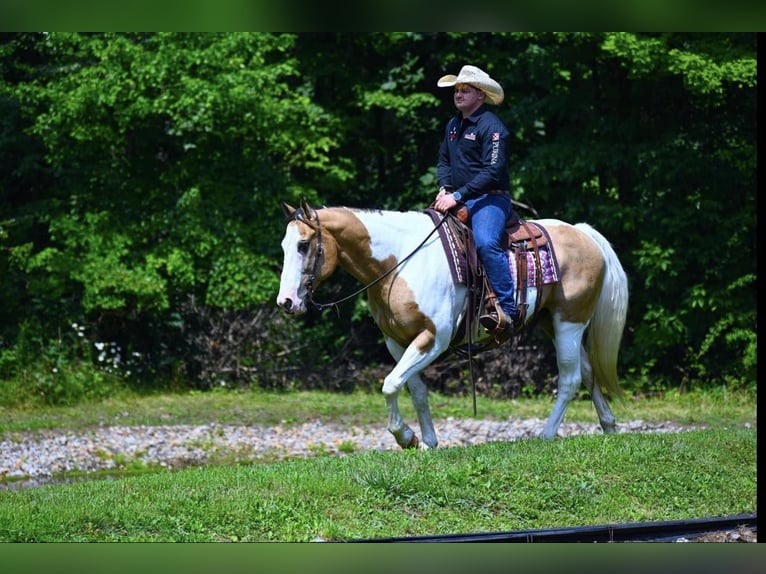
(549,267)
(459,266)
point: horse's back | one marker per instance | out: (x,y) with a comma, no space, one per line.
(576,247)
(581,265)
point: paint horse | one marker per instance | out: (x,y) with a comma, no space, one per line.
(419,307)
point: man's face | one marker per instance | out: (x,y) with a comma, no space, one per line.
(467,98)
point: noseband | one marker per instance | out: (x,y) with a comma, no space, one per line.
(311,277)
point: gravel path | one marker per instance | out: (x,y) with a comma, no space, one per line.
(35,456)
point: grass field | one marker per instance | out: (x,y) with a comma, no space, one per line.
(583,480)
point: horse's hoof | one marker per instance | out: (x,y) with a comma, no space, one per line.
(414,442)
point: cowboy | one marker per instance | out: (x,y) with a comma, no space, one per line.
(473,170)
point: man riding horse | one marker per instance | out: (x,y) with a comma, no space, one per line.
(473,170)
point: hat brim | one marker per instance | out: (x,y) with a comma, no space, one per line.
(493,93)
(447,81)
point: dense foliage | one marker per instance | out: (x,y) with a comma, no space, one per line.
(142,176)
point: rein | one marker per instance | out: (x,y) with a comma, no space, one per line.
(320,252)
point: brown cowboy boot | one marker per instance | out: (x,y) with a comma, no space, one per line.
(495,321)
(498,324)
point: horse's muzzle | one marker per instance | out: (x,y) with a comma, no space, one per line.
(290,307)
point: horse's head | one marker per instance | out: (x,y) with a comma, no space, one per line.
(308,258)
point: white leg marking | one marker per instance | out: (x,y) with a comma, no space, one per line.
(568,343)
(410,362)
(605,416)
(419,394)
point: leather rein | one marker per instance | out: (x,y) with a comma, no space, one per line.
(320,255)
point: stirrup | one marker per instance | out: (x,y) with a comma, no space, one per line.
(494,323)
(500,327)
(497,325)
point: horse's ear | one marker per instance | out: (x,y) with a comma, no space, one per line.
(288,210)
(308,211)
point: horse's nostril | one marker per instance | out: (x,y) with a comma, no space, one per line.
(288,304)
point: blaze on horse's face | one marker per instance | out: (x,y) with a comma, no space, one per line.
(300,252)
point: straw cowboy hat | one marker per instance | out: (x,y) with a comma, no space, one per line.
(478,79)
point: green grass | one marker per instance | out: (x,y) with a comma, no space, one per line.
(581,480)
(714,408)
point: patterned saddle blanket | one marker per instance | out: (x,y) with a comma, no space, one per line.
(454,248)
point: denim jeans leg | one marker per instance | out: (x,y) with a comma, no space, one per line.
(488,216)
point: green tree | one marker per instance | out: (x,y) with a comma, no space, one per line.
(652,137)
(143,175)
(166,157)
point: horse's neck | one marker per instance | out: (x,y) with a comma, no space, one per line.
(396,231)
(371,242)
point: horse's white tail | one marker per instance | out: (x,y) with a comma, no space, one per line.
(606,327)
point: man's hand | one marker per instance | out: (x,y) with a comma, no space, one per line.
(444,201)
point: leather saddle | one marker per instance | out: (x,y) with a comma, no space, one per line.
(520,238)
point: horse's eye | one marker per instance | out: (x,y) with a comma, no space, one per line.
(303,247)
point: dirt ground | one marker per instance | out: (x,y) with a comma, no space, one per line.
(742,534)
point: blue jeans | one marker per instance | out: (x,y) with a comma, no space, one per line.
(488,216)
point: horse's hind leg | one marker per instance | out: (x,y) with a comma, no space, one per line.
(605,416)
(568,342)
(409,374)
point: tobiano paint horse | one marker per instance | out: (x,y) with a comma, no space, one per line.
(418,305)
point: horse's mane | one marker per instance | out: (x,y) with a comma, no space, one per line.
(371,209)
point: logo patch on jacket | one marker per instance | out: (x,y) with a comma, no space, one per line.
(496,136)
(470,136)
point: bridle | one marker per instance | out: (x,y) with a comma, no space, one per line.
(316,267)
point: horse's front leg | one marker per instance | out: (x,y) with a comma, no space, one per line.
(410,362)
